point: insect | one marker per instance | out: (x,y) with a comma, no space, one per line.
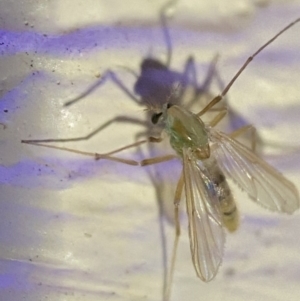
(209,156)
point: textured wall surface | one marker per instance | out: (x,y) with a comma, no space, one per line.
(75,229)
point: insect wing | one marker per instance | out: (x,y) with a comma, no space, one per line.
(263,183)
(206,233)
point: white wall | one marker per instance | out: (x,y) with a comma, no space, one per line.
(75,229)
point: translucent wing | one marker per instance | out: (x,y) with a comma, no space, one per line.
(263,183)
(205,221)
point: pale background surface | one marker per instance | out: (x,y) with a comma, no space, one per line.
(74,229)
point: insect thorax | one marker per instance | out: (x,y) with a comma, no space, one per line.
(186,130)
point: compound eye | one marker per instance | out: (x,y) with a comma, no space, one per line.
(155,118)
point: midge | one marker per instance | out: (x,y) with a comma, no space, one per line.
(208,156)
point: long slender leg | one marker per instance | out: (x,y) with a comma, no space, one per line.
(137,143)
(93,133)
(218,118)
(178,193)
(157,160)
(177,199)
(247,62)
(90,154)
(190,75)
(107,75)
(243,130)
(106,156)
(210,105)
(237,132)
